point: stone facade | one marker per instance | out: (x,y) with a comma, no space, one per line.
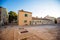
(58,20)
(24,17)
(3,15)
(37,21)
(50,18)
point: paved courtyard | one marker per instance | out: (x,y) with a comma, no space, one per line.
(41,32)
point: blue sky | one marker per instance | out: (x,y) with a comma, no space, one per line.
(38,8)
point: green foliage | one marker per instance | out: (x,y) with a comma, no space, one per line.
(12,16)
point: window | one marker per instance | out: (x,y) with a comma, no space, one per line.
(37,21)
(26,15)
(32,21)
(40,21)
(25,21)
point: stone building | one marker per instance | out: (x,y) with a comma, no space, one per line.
(24,17)
(49,17)
(3,16)
(37,21)
(58,20)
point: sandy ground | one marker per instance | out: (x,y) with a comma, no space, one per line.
(34,33)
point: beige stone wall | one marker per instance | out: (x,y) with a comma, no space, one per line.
(21,18)
(4,15)
(37,22)
(58,20)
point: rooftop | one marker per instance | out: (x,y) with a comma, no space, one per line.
(34,18)
(24,11)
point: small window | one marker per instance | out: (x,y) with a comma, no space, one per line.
(37,21)
(40,21)
(32,21)
(25,21)
(26,15)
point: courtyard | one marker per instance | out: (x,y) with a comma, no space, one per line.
(37,32)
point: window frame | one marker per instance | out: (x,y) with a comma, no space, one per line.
(26,15)
(25,21)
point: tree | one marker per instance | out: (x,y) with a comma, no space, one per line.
(12,16)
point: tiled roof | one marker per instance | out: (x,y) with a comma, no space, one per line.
(25,11)
(34,18)
(48,16)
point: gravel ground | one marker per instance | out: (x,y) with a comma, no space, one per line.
(43,32)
